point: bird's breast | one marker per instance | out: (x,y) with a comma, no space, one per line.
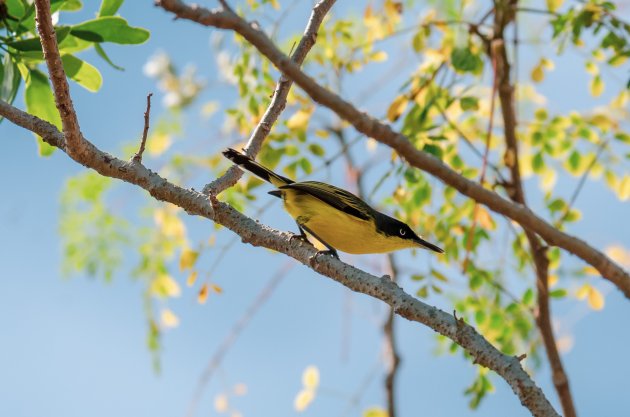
(338,229)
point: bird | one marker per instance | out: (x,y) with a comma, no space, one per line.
(336,218)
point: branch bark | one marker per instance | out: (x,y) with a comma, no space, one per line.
(72,133)
(256,234)
(382,132)
(503,17)
(278,100)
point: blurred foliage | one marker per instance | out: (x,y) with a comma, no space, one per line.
(441,103)
(21,52)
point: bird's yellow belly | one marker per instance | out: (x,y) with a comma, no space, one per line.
(340,230)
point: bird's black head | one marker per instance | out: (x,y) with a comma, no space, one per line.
(394,228)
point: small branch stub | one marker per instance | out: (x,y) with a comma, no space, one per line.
(137,158)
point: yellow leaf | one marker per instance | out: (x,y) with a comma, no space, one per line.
(554,5)
(165,286)
(209,109)
(599,55)
(379,56)
(187,259)
(623,188)
(221,403)
(192,278)
(538,75)
(217,289)
(322,133)
(590,270)
(371,144)
(397,108)
(240,389)
(303,399)
(310,377)
(596,86)
(299,120)
(158,143)
(565,343)
(619,254)
(375,412)
(203,294)
(547,64)
(548,180)
(583,292)
(169,319)
(483,218)
(595,299)
(553,280)
(592,68)
(168,222)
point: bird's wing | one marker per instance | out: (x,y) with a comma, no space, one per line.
(335,197)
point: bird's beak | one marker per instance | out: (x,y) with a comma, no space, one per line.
(427,245)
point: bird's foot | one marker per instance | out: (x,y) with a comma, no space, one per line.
(330,252)
(301,237)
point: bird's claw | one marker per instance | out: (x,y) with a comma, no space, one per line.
(330,252)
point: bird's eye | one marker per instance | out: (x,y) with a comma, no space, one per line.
(402,232)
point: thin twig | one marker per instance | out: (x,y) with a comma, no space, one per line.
(137,158)
(278,99)
(233,335)
(484,161)
(581,183)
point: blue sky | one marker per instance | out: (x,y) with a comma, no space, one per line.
(75,347)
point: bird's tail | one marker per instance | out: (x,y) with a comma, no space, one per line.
(245,162)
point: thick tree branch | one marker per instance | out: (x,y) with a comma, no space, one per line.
(517,193)
(278,100)
(70,124)
(256,234)
(382,132)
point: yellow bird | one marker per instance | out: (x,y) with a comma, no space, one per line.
(336,218)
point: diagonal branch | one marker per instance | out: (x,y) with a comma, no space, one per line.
(278,100)
(539,251)
(254,233)
(232,336)
(382,132)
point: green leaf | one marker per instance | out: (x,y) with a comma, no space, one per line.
(463,60)
(41,103)
(16,8)
(475,282)
(528,297)
(316,149)
(574,161)
(71,5)
(33,44)
(82,73)
(110,29)
(538,163)
(559,293)
(10,80)
(469,103)
(101,52)
(109,7)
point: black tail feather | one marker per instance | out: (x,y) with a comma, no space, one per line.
(255,168)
